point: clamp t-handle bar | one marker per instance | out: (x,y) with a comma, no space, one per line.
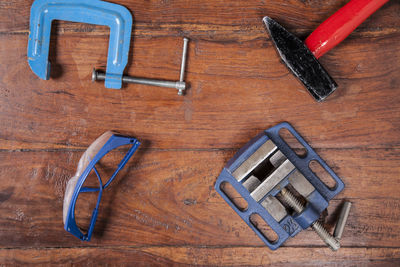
(180,85)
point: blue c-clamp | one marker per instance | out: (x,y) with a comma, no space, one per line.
(116,17)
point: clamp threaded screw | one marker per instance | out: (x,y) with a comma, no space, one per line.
(293,202)
(179,85)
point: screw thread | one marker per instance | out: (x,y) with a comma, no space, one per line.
(293,202)
(325,236)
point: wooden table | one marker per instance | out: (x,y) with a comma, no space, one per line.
(163,209)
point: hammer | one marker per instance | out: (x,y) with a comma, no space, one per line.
(302,58)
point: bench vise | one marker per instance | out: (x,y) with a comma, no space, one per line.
(280,187)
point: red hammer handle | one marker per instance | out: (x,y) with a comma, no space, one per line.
(338,26)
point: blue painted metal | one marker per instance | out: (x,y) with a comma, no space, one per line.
(290,225)
(116,17)
(253,207)
(302,164)
(114,142)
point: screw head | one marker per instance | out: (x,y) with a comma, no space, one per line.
(94,75)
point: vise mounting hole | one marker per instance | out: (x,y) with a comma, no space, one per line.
(263,227)
(234,196)
(322,174)
(292,142)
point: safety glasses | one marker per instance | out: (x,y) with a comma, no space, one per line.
(95,152)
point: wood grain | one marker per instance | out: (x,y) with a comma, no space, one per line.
(188,256)
(162,209)
(211,115)
(218,16)
(149,205)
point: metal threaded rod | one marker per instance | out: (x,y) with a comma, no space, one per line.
(179,85)
(344,214)
(183,64)
(293,202)
(101,76)
(332,242)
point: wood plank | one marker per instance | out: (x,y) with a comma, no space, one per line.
(202,256)
(214,19)
(227,81)
(162,209)
(167,198)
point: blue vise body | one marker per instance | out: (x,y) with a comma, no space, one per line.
(261,169)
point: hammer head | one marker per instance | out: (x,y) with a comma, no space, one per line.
(299,59)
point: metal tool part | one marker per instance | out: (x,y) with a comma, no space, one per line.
(179,85)
(344,214)
(264,172)
(183,64)
(272,180)
(301,58)
(255,159)
(301,184)
(251,183)
(116,17)
(300,61)
(316,226)
(274,207)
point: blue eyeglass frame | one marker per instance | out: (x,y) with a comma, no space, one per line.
(113,142)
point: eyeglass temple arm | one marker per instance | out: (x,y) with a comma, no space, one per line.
(95,212)
(120,166)
(96,209)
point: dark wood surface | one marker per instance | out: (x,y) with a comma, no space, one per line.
(162,209)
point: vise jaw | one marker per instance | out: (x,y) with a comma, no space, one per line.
(265,191)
